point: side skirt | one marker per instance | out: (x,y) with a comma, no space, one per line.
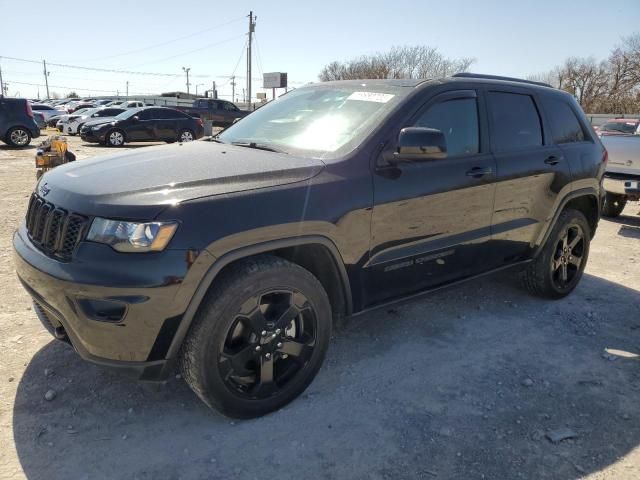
(418,295)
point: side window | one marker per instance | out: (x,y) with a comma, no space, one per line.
(148,114)
(515,121)
(230,107)
(565,126)
(457,119)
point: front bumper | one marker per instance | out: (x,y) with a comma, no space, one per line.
(147,292)
(92,136)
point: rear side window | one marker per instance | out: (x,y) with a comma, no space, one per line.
(173,114)
(515,121)
(458,121)
(565,126)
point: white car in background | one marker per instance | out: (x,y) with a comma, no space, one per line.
(47,111)
(64,119)
(75,121)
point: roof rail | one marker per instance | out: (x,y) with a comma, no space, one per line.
(497,77)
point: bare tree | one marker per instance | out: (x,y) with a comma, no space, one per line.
(608,86)
(399,62)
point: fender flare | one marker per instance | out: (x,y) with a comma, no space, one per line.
(244,252)
(583,192)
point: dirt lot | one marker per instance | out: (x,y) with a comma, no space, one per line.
(469,383)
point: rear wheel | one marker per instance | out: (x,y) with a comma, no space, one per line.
(259,337)
(557,270)
(114,138)
(613,204)
(18,137)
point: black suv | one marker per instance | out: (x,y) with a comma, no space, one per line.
(17,125)
(234,257)
(146,124)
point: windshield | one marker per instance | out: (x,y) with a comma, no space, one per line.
(127,113)
(619,127)
(319,121)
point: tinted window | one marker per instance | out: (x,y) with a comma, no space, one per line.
(458,121)
(515,121)
(41,107)
(230,107)
(565,127)
(110,112)
(150,113)
(169,113)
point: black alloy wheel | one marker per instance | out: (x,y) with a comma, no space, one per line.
(567,260)
(269,342)
(259,337)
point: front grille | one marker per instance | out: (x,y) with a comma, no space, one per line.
(53,230)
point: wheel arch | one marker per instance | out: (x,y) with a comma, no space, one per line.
(317,254)
(585,200)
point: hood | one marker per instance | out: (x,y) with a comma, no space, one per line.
(140,183)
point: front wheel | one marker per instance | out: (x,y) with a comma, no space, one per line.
(186,136)
(613,205)
(556,271)
(115,138)
(259,337)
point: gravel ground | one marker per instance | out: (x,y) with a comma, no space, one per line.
(476,381)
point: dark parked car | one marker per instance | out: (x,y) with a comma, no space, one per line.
(233,257)
(17,125)
(148,124)
(220,112)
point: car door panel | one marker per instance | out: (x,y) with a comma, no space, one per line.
(530,179)
(431,219)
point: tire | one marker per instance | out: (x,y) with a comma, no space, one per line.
(558,268)
(233,348)
(18,137)
(613,205)
(114,138)
(186,135)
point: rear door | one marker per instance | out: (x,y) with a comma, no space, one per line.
(532,172)
(432,219)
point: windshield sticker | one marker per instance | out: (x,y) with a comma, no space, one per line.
(371,97)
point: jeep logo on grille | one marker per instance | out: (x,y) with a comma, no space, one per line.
(44,190)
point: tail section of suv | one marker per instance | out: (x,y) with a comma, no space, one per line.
(233,257)
(17,125)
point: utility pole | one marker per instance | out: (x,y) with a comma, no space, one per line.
(46,77)
(252,28)
(233,88)
(186,70)
(127,88)
(214,92)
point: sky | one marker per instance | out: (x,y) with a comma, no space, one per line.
(160,37)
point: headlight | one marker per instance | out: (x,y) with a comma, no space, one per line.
(132,236)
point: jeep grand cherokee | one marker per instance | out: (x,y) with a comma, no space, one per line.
(233,257)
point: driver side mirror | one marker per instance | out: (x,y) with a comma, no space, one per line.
(419,143)
(135,118)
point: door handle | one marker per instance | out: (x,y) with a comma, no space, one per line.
(478,172)
(552,160)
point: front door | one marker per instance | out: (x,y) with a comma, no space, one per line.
(431,219)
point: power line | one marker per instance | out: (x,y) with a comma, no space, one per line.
(190,51)
(96,69)
(258,55)
(237,65)
(162,44)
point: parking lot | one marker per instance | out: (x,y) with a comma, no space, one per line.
(477,381)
